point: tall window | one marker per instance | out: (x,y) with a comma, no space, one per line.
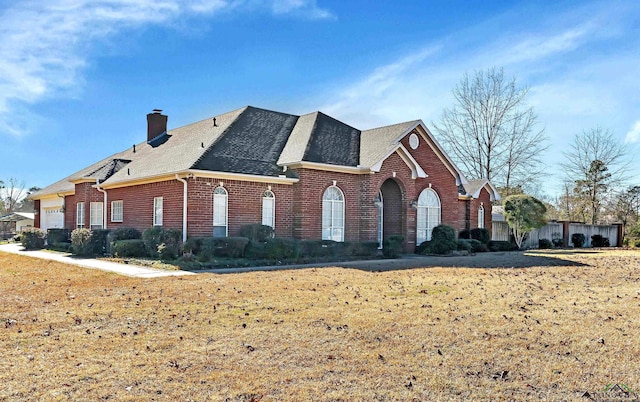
(157,211)
(333,214)
(428,214)
(116,211)
(220,207)
(481,217)
(80,215)
(269,209)
(96,215)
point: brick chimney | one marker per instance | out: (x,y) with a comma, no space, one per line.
(156,124)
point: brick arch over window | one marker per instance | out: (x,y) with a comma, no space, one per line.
(333,214)
(428,215)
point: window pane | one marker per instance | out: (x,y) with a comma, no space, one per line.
(95,215)
(219,231)
(157,211)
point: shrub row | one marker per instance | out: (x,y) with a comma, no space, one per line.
(477,240)
(205,249)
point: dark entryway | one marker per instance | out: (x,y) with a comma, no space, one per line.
(392,212)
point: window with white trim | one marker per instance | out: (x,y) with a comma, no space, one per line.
(157,211)
(96,215)
(428,214)
(80,215)
(481,217)
(269,209)
(220,212)
(116,211)
(333,214)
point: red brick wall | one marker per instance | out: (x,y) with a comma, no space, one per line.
(70,212)
(485,199)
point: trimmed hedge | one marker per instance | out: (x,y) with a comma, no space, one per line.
(599,241)
(443,240)
(544,244)
(392,246)
(57,235)
(163,243)
(577,239)
(256,232)
(33,238)
(480,234)
(121,234)
(475,246)
(495,245)
(129,248)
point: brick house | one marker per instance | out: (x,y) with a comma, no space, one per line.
(309,177)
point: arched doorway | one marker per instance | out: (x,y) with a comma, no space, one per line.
(391,210)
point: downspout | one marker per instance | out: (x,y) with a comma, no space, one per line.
(104,204)
(184,208)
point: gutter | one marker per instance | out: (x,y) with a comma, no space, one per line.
(104,205)
(184,208)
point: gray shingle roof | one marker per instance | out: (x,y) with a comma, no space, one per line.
(251,144)
(249,141)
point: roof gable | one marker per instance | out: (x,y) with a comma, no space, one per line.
(333,142)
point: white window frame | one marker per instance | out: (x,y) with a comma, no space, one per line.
(269,209)
(428,214)
(481,217)
(158,211)
(333,208)
(96,215)
(220,211)
(80,215)
(117,211)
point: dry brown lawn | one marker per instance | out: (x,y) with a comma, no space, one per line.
(568,324)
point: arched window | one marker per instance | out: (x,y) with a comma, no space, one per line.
(481,217)
(428,214)
(269,209)
(220,203)
(333,214)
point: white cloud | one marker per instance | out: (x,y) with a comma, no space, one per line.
(634,134)
(45,45)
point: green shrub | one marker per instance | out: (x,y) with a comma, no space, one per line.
(206,248)
(464,234)
(62,246)
(544,243)
(163,243)
(129,248)
(361,249)
(81,242)
(481,234)
(33,238)
(636,242)
(99,241)
(392,246)
(280,249)
(495,245)
(121,234)
(256,232)
(318,248)
(475,246)
(193,245)
(465,245)
(577,239)
(423,247)
(599,241)
(58,235)
(443,240)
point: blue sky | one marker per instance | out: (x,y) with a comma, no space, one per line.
(77,77)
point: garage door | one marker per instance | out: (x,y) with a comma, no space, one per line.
(52,218)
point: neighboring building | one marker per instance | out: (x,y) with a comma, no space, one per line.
(15,222)
(309,177)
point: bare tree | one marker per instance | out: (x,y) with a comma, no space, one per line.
(596,163)
(11,194)
(491,132)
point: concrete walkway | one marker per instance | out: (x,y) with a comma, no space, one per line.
(122,269)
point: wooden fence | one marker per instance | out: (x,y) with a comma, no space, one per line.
(560,230)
